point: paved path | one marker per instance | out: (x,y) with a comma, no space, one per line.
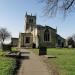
(32,64)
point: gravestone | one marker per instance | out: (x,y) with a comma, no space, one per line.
(42,51)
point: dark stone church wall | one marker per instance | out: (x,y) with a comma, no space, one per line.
(45,44)
(51,43)
(53,38)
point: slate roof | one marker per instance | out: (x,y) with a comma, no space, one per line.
(41,27)
(60,38)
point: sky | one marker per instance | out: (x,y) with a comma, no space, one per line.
(12,14)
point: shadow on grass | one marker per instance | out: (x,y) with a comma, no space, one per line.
(19,58)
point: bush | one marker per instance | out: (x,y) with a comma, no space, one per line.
(2,53)
(6,47)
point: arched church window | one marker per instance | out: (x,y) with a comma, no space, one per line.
(46,35)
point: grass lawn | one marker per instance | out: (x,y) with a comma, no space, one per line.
(7,64)
(15,49)
(64,61)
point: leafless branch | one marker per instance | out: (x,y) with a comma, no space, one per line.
(52,6)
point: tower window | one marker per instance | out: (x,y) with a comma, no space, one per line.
(46,35)
(30,20)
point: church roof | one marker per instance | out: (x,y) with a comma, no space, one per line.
(59,37)
(41,27)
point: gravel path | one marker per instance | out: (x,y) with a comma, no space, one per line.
(32,64)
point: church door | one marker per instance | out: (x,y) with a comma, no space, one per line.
(27,40)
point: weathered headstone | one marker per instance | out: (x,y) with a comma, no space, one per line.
(42,51)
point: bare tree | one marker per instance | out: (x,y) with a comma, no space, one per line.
(52,6)
(4,34)
(71,42)
(73,36)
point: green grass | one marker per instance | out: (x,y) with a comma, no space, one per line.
(64,61)
(2,53)
(14,49)
(7,64)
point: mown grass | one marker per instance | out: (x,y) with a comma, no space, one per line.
(64,61)
(14,49)
(7,64)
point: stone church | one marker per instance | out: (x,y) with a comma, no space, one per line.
(37,35)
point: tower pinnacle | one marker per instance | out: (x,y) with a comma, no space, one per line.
(26,14)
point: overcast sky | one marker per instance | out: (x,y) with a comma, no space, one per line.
(12,14)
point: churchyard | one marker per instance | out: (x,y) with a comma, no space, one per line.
(61,60)
(64,61)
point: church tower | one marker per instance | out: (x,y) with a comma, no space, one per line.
(30,22)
